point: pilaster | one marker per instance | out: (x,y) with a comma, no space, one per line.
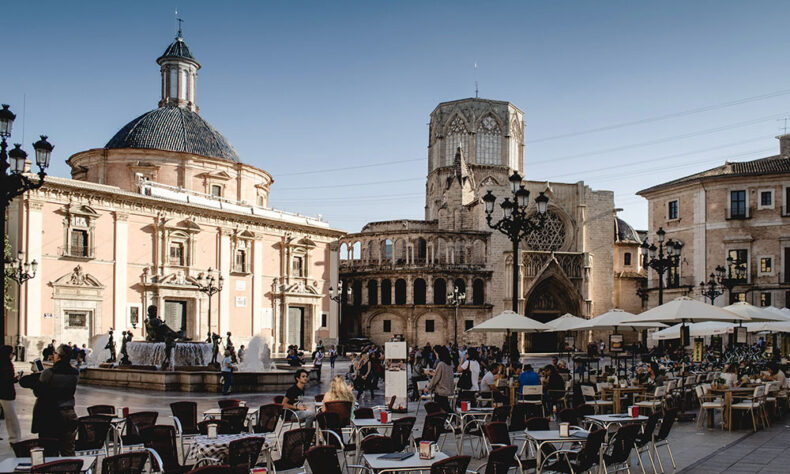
(121,260)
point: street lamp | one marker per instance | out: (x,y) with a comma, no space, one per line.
(21,272)
(456,298)
(15,183)
(516,224)
(655,258)
(736,275)
(338,295)
(209,284)
(713,288)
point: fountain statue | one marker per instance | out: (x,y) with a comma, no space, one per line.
(215,340)
(111,346)
(170,344)
(126,336)
(158,331)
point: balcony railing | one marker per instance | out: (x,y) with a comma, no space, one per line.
(739,213)
(76,251)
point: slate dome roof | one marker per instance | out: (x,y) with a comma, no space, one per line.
(178,49)
(623,232)
(174,129)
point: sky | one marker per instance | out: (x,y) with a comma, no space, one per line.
(333,98)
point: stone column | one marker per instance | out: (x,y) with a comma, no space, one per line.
(33,287)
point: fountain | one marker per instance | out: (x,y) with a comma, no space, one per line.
(257,357)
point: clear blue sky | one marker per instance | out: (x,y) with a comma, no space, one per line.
(336,86)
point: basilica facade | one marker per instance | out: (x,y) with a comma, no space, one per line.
(149,218)
(401,273)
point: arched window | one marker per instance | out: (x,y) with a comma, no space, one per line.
(386,292)
(356,293)
(344,251)
(457,135)
(373,292)
(400,251)
(420,250)
(386,250)
(489,141)
(439,291)
(356,251)
(478,292)
(419,291)
(400,291)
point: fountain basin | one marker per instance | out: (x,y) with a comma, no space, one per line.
(185,354)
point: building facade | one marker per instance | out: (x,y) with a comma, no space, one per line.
(738,210)
(144,218)
(401,272)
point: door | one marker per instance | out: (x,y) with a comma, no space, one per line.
(176,315)
(296,326)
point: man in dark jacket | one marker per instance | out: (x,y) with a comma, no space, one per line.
(53,413)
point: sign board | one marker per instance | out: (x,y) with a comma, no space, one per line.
(241,301)
(395,350)
(698,349)
(716,342)
(570,342)
(616,343)
(740,335)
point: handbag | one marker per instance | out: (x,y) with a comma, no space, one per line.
(465,381)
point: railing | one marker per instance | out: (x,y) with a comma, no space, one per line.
(78,251)
(745,213)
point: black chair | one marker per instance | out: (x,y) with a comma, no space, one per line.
(568,415)
(500,459)
(162,439)
(343,409)
(432,408)
(538,424)
(363,413)
(402,431)
(228,403)
(213,469)
(92,434)
(107,410)
(501,413)
(135,422)
(296,443)
(585,410)
(661,438)
(619,448)
(452,465)
(577,461)
(65,466)
(186,413)
(644,439)
(243,453)
(125,463)
(377,444)
(323,459)
(497,434)
(518,418)
(223,426)
(22,448)
(268,415)
(236,418)
(278,399)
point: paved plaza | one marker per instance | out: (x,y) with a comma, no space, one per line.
(696,450)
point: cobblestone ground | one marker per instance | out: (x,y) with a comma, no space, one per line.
(703,450)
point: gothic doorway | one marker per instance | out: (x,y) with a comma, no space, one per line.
(547,301)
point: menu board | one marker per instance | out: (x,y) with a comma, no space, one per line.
(615,343)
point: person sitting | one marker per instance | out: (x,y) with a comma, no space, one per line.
(293,395)
(730,376)
(293,358)
(339,391)
(654,377)
(776,374)
(528,376)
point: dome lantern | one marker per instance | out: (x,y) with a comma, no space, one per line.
(179,75)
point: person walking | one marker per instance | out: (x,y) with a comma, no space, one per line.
(332,356)
(363,372)
(227,372)
(7,392)
(53,412)
(441,382)
(318,362)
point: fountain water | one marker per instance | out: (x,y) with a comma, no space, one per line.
(98,353)
(257,357)
(185,354)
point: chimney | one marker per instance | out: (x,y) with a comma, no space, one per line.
(784,145)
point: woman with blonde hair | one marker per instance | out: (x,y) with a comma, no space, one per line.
(339,391)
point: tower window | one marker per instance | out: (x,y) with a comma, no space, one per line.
(627,259)
(216,191)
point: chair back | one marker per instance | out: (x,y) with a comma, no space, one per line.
(186,412)
(243,453)
(377,444)
(319,398)
(223,426)
(162,439)
(22,448)
(135,422)
(278,399)
(646,435)
(532,390)
(666,423)
(268,415)
(518,418)
(229,403)
(296,443)
(538,424)
(236,417)
(497,432)
(101,410)
(432,427)
(660,391)
(501,459)
(585,410)
(568,415)
(622,443)
(700,390)
(401,432)
(125,463)
(589,454)
(588,391)
(343,410)
(452,465)
(601,386)
(65,466)
(323,459)
(671,385)
(759,392)
(501,413)
(431,408)
(91,432)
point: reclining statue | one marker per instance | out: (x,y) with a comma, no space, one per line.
(158,331)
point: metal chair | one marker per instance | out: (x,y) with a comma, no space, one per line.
(401,432)
(295,445)
(661,438)
(65,466)
(452,465)
(162,440)
(618,453)
(228,403)
(132,462)
(591,399)
(108,410)
(644,438)
(571,461)
(213,469)
(134,424)
(243,453)
(92,434)
(500,460)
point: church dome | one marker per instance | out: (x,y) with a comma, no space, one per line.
(178,49)
(623,232)
(174,129)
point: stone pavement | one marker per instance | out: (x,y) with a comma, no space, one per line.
(766,451)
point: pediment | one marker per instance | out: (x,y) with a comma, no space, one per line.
(221,175)
(81,210)
(78,277)
(177,223)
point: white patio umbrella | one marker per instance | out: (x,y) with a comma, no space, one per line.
(685,309)
(616,318)
(566,322)
(753,313)
(706,328)
(779,312)
(509,321)
(771,326)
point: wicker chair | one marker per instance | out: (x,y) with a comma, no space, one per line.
(452,465)
(566,460)
(402,432)
(22,448)
(236,418)
(186,414)
(500,460)
(243,453)
(132,462)
(162,439)
(92,434)
(296,443)
(135,422)
(107,410)
(229,403)
(619,448)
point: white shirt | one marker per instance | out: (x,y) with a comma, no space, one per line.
(781,378)
(488,380)
(730,379)
(474,368)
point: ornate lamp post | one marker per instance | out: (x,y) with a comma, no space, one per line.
(209,284)
(456,298)
(339,295)
(736,275)
(713,288)
(15,183)
(21,272)
(516,224)
(663,261)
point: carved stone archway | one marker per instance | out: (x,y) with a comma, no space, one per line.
(548,296)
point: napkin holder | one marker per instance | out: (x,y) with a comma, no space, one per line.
(211,432)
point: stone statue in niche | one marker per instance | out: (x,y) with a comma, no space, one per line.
(158,331)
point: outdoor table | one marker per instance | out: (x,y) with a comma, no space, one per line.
(215,413)
(619,419)
(9,465)
(471,415)
(617,392)
(728,393)
(541,437)
(201,447)
(362,423)
(413,463)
